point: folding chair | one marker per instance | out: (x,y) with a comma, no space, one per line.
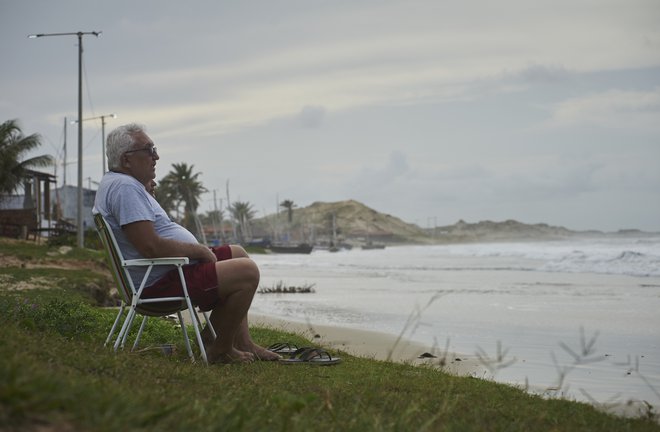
(160,306)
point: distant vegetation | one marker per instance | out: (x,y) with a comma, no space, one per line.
(281,288)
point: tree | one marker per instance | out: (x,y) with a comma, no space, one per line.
(13,146)
(182,188)
(167,197)
(288,205)
(213,218)
(242,213)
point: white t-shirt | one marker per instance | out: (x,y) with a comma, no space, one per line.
(122,200)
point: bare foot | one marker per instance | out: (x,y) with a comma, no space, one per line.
(233,356)
(262,353)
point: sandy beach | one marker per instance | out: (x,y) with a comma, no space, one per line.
(374,345)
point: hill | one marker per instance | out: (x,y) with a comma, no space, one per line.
(355,222)
(462,231)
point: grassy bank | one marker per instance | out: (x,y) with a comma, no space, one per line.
(56,375)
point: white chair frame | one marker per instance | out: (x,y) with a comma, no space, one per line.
(160,306)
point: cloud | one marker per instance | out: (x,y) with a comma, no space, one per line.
(537,73)
(390,73)
(396,167)
(407,54)
(381,181)
(610,109)
(311,117)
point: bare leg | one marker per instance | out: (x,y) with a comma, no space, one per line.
(242,340)
(237,282)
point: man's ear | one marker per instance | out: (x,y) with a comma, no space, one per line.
(125,161)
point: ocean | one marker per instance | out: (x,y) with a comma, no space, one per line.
(575,318)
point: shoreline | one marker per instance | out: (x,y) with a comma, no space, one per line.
(374,345)
(384,347)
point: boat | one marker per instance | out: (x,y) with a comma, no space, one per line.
(370,245)
(301,248)
(259,242)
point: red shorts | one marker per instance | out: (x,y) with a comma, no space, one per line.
(201,280)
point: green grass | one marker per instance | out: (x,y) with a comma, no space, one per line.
(56,375)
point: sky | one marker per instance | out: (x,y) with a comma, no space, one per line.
(543,111)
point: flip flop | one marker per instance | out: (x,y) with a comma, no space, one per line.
(315,356)
(283,348)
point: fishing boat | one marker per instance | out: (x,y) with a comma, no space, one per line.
(371,245)
(301,248)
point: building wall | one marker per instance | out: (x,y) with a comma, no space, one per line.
(67,199)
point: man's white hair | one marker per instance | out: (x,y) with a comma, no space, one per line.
(119,141)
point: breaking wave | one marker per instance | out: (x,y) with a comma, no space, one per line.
(632,257)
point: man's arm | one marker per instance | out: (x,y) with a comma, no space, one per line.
(150,245)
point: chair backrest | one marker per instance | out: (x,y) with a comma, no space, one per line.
(115,258)
(123,278)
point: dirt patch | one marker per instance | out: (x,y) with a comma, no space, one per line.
(70,265)
(103,293)
(11,261)
(8,283)
(62,264)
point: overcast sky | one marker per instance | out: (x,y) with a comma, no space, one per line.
(431,111)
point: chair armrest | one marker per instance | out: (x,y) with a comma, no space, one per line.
(156,261)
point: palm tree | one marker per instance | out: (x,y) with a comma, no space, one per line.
(166,195)
(182,187)
(242,213)
(13,146)
(288,205)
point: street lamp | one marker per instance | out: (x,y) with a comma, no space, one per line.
(79,217)
(103,117)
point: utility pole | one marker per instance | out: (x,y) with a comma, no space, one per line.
(65,151)
(215,214)
(233,225)
(79,216)
(103,117)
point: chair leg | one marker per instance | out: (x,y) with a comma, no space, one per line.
(127,326)
(208,324)
(200,343)
(193,313)
(124,328)
(139,335)
(114,325)
(185,336)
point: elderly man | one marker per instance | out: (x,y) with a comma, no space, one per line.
(222,279)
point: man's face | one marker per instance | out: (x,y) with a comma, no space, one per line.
(140,161)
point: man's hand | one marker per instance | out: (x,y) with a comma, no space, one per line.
(206,255)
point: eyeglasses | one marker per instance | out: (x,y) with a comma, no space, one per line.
(151,150)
